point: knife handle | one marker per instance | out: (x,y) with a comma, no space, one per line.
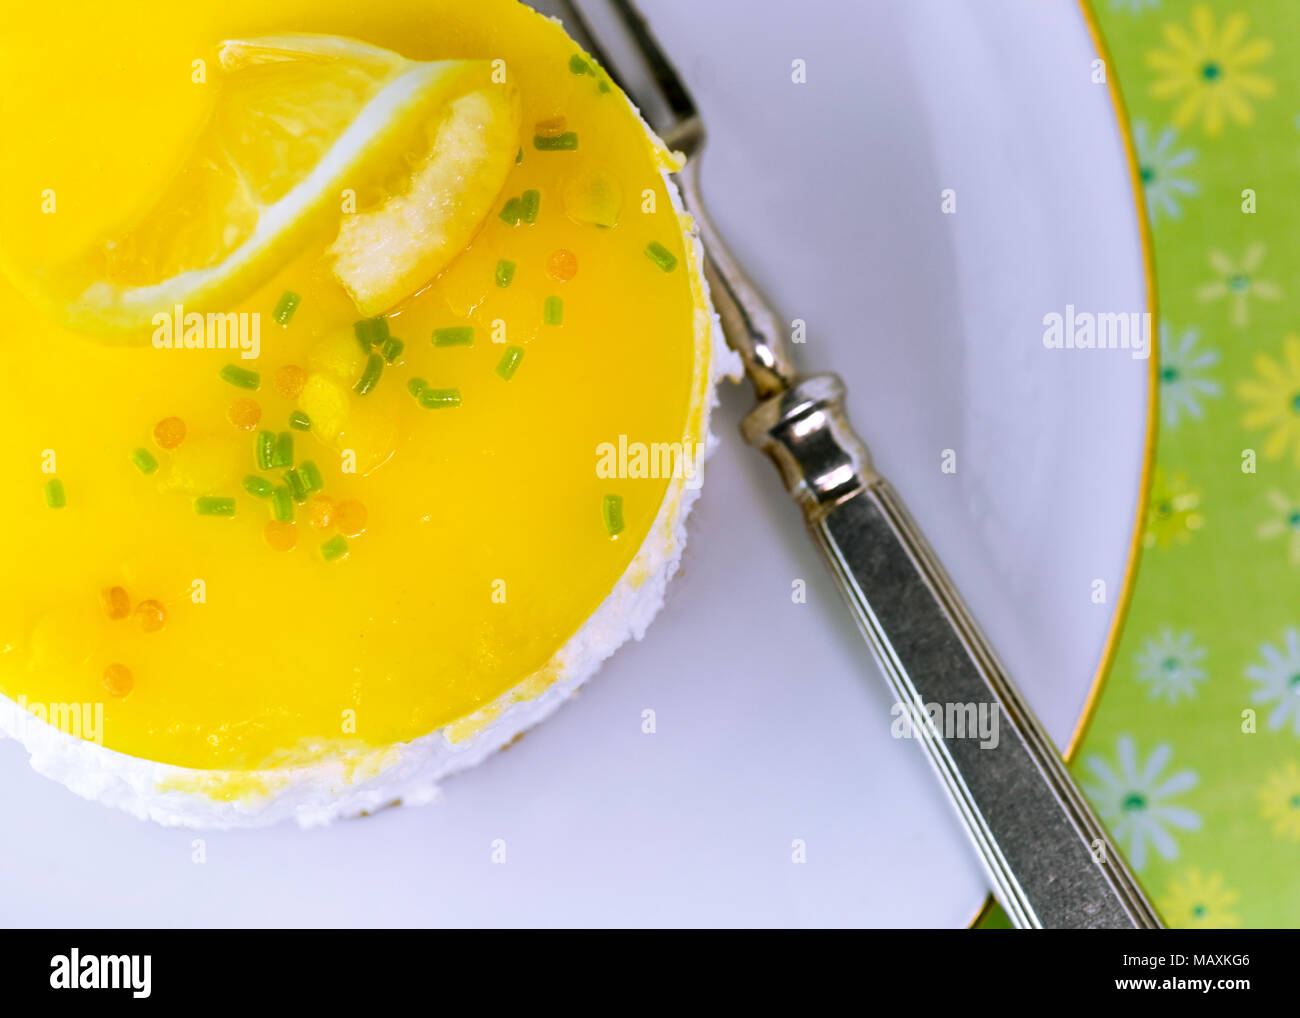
(1047,855)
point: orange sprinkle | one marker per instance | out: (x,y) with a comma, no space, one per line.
(562,265)
(320,511)
(280,535)
(551,127)
(350,517)
(244,413)
(116,603)
(169,432)
(117,680)
(289,381)
(151,615)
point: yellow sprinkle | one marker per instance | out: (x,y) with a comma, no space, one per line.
(169,432)
(551,127)
(117,680)
(116,603)
(151,615)
(244,413)
(280,535)
(289,381)
(350,517)
(562,265)
(320,512)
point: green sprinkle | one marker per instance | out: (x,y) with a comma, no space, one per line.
(144,461)
(566,142)
(241,377)
(519,156)
(661,256)
(370,377)
(579,66)
(258,487)
(415,386)
(286,306)
(512,211)
(603,87)
(336,547)
(55,497)
(265,449)
(456,335)
(297,488)
(437,399)
(393,348)
(611,508)
(371,332)
(282,505)
(310,475)
(208,506)
(510,361)
(553,311)
(283,454)
(505,273)
(529,205)
(299,421)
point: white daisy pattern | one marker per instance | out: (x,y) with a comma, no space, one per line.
(1162,165)
(1236,280)
(1277,681)
(1285,524)
(1183,370)
(1169,665)
(1135,801)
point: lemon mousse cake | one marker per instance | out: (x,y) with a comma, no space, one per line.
(358,373)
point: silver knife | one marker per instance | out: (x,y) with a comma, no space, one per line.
(1048,858)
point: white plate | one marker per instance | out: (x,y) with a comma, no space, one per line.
(772,724)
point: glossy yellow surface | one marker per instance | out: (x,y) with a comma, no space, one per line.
(267,657)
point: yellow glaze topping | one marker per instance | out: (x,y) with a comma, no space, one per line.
(453,530)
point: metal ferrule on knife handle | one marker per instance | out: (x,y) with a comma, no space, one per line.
(1047,855)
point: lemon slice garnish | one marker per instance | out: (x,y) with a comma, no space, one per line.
(386,254)
(303,129)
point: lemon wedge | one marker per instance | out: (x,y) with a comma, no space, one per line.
(386,254)
(305,128)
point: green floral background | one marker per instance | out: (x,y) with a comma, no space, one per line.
(1193,758)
